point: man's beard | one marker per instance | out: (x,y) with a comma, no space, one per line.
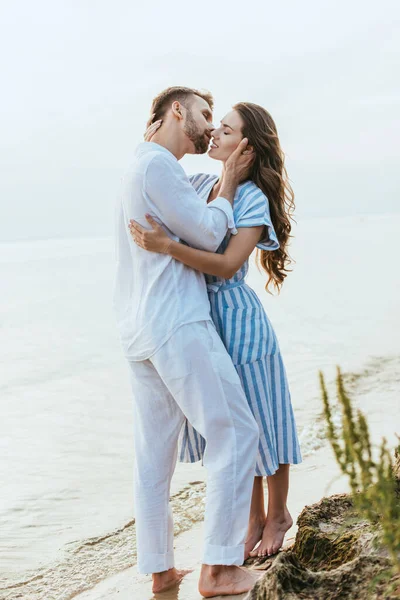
(199,140)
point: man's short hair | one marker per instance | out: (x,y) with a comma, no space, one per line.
(163,101)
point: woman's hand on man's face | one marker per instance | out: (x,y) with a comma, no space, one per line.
(154,239)
(151,130)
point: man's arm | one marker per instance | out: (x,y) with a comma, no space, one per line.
(174,201)
(224,265)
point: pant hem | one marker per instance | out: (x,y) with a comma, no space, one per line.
(155,563)
(223,555)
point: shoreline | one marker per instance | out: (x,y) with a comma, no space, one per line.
(100,563)
(317,477)
(74,486)
(314,216)
(307,487)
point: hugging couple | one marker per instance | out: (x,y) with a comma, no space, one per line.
(207,374)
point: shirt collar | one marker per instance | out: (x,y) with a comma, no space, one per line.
(148,146)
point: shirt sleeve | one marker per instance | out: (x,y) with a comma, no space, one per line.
(253,211)
(175,202)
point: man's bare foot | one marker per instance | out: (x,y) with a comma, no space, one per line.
(254,535)
(274,532)
(221,580)
(168,579)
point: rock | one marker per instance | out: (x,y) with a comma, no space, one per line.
(330,533)
(335,556)
(289,579)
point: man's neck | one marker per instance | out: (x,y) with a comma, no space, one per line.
(173,143)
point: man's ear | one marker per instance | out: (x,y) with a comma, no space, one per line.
(177,109)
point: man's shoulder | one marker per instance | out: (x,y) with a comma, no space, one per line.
(148,152)
(160,165)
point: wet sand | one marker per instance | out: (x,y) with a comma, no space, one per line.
(310,481)
(129,585)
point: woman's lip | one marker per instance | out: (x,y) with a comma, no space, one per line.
(213,145)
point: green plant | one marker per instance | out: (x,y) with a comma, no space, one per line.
(373,483)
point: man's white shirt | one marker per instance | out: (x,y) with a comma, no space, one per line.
(155,294)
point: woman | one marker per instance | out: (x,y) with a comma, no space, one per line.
(262,210)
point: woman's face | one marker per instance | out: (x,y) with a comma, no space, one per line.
(226,137)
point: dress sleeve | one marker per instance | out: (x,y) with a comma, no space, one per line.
(252,211)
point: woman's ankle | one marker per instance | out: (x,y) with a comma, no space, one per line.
(278,513)
(257,518)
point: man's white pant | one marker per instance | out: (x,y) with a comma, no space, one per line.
(192,376)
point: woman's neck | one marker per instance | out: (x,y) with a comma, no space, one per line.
(217,186)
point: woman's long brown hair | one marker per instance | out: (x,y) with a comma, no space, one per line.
(269,174)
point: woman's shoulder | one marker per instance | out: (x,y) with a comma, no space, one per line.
(250,194)
(249,188)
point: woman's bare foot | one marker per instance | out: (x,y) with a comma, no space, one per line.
(221,580)
(168,579)
(254,535)
(274,532)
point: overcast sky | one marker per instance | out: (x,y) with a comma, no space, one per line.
(78,77)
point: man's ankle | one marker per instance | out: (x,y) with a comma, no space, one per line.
(214,570)
(161,573)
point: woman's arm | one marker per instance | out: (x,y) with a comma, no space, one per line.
(222,265)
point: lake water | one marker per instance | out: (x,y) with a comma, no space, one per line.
(66,442)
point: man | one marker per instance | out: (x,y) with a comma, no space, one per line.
(179,366)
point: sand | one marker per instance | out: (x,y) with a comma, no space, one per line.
(317,477)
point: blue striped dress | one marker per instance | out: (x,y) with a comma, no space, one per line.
(249,338)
